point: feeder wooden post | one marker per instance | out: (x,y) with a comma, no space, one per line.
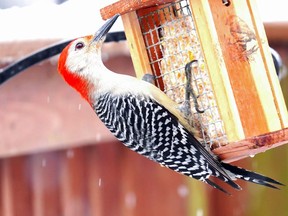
(136,44)
(250,67)
(241,41)
(217,69)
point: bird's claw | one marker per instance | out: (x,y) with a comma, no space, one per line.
(149,78)
(189,92)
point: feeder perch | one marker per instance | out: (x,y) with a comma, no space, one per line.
(233,77)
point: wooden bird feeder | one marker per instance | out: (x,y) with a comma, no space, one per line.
(234,80)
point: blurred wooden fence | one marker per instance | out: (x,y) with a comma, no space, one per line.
(102,180)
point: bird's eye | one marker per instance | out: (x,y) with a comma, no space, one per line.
(79,46)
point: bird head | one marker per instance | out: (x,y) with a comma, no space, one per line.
(80,59)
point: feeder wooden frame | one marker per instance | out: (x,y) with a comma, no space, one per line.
(244,81)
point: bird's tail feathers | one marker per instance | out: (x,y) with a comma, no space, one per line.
(214,185)
(229,181)
(225,178)
(253,177)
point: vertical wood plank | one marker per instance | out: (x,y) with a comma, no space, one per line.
(217,69)
(94,179)
(136,44)
(45,184)
(221,204)
(264,200)
(104,163)
(247,73)
(73,178)
(149,189)
(269,65)
(2,197)
(110,162)
(16,187)
(198,202)
(6,195)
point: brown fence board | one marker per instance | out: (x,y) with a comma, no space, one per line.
(45,177)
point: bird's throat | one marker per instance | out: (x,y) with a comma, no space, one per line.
(83,86)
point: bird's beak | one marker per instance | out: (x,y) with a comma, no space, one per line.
(101,33)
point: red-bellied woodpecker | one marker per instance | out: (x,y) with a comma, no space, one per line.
(142,117)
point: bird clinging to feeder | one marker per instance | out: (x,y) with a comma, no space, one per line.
(234,80)
(143,117)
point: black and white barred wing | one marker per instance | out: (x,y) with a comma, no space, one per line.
(149,129)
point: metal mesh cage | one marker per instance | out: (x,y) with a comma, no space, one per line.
(171,41)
